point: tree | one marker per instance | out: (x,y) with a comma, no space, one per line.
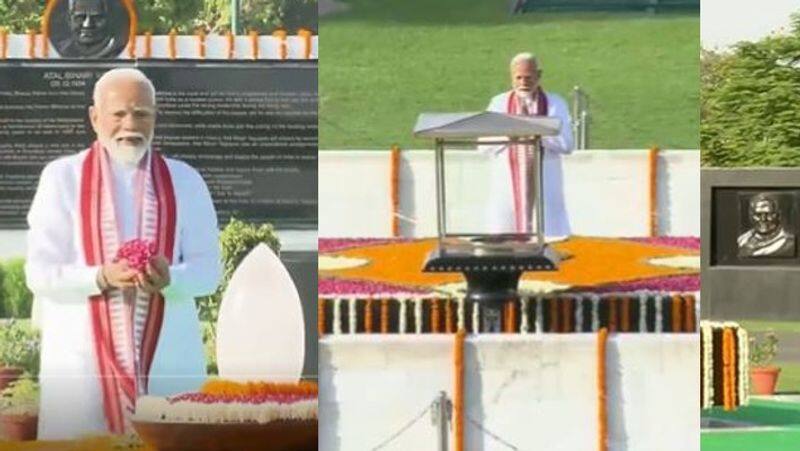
(750,103)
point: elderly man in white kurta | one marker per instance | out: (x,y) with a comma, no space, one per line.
(111,332)
(510,164)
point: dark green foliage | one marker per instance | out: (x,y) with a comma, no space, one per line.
(751,103)
(160,16)
(263,16)
(19,346)
(17,298)
(20,15)
(2,293)
(236,241)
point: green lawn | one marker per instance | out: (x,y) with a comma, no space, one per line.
(385,61)
(781,415)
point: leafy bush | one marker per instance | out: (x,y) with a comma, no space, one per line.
(160,16)
(17,298)
(763,349)
(20,15)
(210,347)
(749,103)
(19,346)
(2,293)
(236,240)
(21,397)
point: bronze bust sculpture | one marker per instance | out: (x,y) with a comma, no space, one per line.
(767,236)
(90,28)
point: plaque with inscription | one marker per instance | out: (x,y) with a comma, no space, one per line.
(250,128)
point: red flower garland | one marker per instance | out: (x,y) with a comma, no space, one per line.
(137,252)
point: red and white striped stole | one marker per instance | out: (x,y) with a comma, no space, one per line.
(520,160)
(125,323)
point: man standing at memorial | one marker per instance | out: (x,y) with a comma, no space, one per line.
(121,241)
(511,165)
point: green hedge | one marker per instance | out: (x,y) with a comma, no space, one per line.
(237,239)
(15,297)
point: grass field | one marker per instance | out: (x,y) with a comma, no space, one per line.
(782,417)
(385,61)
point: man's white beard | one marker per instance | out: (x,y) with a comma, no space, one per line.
(524,94)
(125,155)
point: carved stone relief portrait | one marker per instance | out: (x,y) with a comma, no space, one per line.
(768,234)
(89,28)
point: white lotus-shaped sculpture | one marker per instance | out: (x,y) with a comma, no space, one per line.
(260,330)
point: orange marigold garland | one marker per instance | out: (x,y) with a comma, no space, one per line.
(394,189)
(133,30)
(31,43)
(45,24)
(689,314)
(173,50)
(201,43)
(384,316)
(231,41)
(281,36)
(148,44)
(3,43)
(731,367)
(625,321)
(512,316)
(602,395)
(612,314)
(306,35)
(254,44)
(458,401)
(677,307)
(448,316)
(566,314)
(321,317)
(221,387)
(435,320)
(368,316)
(554,320)
(727,363)
(652,168)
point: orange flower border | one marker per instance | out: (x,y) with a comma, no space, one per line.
(652,172)
(725,364)
(602,394)
(394,189)
(458,397)
(222,387)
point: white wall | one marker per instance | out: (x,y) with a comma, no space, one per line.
(535,392)
(606,192)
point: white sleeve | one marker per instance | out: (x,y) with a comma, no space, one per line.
(562,143)
(50,267)
(197,270)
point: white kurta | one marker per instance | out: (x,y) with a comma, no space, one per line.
(501,199)
(71,398)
